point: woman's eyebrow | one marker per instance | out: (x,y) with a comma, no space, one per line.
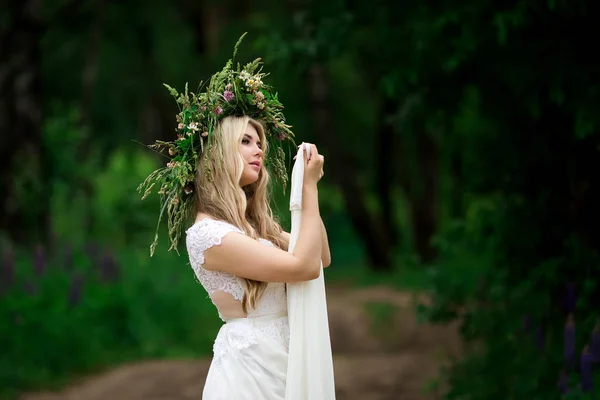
(247,136)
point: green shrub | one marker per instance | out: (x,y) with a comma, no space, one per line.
(70,311)
(514,302)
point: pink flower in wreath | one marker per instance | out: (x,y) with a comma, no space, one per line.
(228,95)
(218,110)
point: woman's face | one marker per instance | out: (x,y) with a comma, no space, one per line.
(252,154)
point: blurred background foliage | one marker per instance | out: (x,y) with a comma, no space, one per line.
(461,143)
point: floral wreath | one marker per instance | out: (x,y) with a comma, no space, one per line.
(229,92)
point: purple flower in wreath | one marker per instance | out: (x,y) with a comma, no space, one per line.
(278,134)
(228,95)
(218,110)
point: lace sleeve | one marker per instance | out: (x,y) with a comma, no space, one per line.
(203,235)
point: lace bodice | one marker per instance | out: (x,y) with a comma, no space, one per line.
(227,290)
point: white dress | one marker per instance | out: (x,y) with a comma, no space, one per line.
(250,354)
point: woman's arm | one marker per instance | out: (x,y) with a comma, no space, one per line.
(247,258)
(325,252)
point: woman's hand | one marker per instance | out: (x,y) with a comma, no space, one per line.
(313,165)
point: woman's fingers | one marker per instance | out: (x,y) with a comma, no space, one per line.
(312,151)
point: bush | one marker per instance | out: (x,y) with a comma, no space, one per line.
(532,329)
(70,311)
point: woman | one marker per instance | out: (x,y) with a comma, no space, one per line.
(238,252)
(235,248)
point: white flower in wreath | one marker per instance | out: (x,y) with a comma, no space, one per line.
(193,127)
(254,83)
(244,75)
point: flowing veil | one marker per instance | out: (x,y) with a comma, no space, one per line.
(310,363)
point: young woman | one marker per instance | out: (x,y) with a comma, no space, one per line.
(239,254)
(218,173)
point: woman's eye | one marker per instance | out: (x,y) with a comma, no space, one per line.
(245,141)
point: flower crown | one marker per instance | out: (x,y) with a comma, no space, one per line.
(229,92)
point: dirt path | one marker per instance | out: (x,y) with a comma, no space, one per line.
(380,353)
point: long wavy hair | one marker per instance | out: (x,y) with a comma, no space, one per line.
(219,195)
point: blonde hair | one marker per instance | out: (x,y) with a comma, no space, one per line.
(219,195)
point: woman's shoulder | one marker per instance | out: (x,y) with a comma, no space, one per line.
(207,224)
(205,233)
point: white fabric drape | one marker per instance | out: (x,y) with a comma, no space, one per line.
(310,363)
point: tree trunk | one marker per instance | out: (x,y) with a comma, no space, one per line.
(418,175)
(385,167)
(212,20)
(90,72)
(368,227)
(206,20)
(424,201)
(23,174)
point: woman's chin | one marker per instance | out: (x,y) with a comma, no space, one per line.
(248,180)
